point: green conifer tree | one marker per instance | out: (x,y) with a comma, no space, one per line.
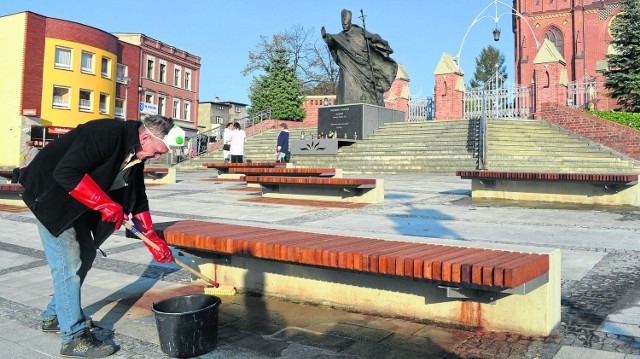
(623,73)
(279,88)
(486,66)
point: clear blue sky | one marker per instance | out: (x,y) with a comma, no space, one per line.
(223,32)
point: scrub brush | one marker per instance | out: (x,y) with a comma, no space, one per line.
(214,289)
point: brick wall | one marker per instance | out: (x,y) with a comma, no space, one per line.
(310,107)
(82,34)
(619,138)
(34,61)
(448,100)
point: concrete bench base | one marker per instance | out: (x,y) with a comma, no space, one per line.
(555,191)
(536,313)
(507,288)
(10,195)
(163,176)
(326,193)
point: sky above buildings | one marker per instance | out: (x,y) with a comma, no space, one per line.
(223,32)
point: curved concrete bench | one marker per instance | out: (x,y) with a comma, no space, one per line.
(496,289)
(359,190)
(159,175)
(10,194)
(579,188)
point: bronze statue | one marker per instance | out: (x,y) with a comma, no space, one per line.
(366,70)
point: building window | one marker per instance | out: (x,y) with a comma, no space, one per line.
(161,104)
(187,111)
(555,36)
(148,98)
(104,101)
(106,65)
(176,76)
(187,79)
(163,72)
(61,97)
(219,119)
(120,108)
(87,62)
(176,108)
(85,100)
(63,58)
(220,107)
(150,67)
(121,73)
(237,109)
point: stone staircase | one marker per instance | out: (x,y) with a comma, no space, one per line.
(537,146)
(429,147)
(443,147)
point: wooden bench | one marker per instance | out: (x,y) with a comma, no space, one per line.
(368,190)
(509,290)
(291,172)
(6,173)
(10,194)
(223,168)
(577,188)
(159,175)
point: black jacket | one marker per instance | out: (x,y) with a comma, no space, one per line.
(97,148)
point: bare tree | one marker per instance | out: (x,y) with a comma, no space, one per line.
(307,54)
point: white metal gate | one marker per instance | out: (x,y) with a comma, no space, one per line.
(420,109)
(582,93)
(499,99)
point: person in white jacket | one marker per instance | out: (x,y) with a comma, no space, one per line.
(226,141)
(238,139)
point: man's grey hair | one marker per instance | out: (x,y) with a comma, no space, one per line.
(158,125)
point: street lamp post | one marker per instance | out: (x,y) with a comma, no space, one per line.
(127,81)
(496,19)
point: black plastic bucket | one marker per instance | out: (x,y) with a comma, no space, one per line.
(187,325)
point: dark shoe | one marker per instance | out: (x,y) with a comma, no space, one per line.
(86,345)
(51,326)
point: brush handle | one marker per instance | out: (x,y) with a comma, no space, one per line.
(146,240)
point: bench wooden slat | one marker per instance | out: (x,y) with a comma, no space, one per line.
(472,272)
(222,165)
(576,177)
(11,187)
(345,182)
(156,170)
(449,264)
(285,171)
(500,277)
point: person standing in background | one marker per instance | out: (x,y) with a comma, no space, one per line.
(238,139)
(226,141)
(282,146)
(31,152)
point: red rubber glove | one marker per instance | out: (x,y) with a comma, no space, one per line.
(91,195)
(143,223)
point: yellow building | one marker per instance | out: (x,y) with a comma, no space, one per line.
(56,74)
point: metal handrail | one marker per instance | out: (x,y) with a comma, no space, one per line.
(482,136)
(199,144)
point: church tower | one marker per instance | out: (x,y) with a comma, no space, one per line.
(579,29)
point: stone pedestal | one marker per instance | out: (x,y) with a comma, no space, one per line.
(357,121)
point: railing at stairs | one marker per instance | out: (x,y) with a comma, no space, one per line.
(203,142)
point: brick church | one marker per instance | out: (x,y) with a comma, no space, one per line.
(579,29)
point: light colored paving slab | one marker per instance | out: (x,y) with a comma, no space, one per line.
(576,264)
(24,342)
(584,353)
(10,260)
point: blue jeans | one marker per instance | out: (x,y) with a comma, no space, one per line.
(70,256)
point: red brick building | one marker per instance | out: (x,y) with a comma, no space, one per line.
(166,81)
(578,29)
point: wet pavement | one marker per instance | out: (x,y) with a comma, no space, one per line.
(600,278)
